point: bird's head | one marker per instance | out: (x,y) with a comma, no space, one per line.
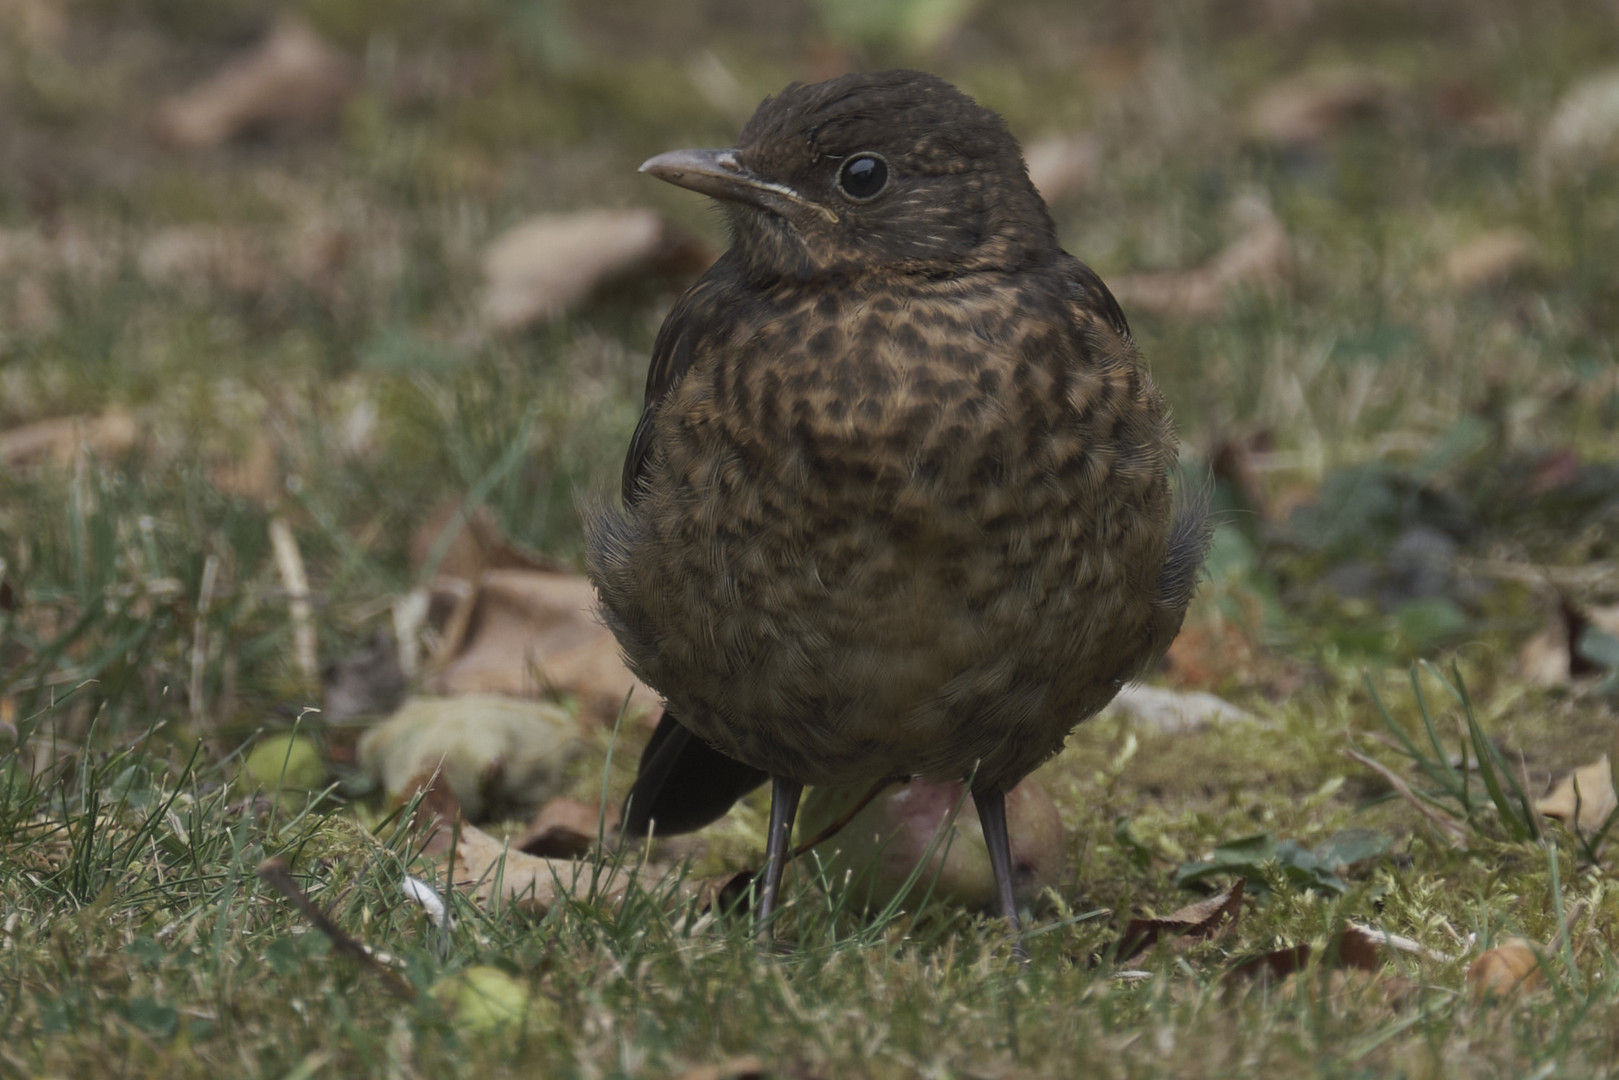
(895,171)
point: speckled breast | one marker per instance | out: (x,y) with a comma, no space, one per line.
(886,532)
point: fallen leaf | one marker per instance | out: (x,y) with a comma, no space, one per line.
(1062,165)
(1584,799)
(534,632)
(293,80)
(1204,919)
(567,828)
(1317,105)
(546,265)
(108,435)
(493,871)
(1489,258)
(495,753)
(1511,966)
(1582,133)
(1257,259)
(1552,657)
(1352,948)
(742,1068)
(1175,710)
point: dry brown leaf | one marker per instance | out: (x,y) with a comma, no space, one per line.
(1204,919)
(1489,258)
(1583,132)
(540,268)
(535,632)
(1511,966)
(1062,165)
(1588,808)
(1550,657)
(567,828)
(1315,106)
(748,1067)
(1353,948)
(496,872)
(105,436)
(1257,259)
(292,80)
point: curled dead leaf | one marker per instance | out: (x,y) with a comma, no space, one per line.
(1583,799)
(496,873)
(546,265)
(291,80)
(1257,259)
(1353,948)
(567,828)
(533,632)
(1511,966)
(1552,657)
(1205,919)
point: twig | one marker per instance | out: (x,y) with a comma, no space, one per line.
(274,873)
(1448,826)
(290,562)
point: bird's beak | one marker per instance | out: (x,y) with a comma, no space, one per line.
(720,174)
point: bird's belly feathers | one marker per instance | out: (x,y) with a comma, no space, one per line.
(945,569)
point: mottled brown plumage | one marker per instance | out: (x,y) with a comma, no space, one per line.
(899,502)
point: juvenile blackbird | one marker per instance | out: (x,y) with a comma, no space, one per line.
(899,501)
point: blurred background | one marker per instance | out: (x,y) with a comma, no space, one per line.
(291,291)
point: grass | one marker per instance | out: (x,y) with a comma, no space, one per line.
(335,377)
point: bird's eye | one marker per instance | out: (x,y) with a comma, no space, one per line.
(863,177)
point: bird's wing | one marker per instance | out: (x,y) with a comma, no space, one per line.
(683,783)
(673,353)
(1086,289)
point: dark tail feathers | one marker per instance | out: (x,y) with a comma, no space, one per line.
(683,783)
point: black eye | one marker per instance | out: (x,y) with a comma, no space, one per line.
(863,177)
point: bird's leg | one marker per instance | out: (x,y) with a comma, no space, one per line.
(784,795)
(992,816)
